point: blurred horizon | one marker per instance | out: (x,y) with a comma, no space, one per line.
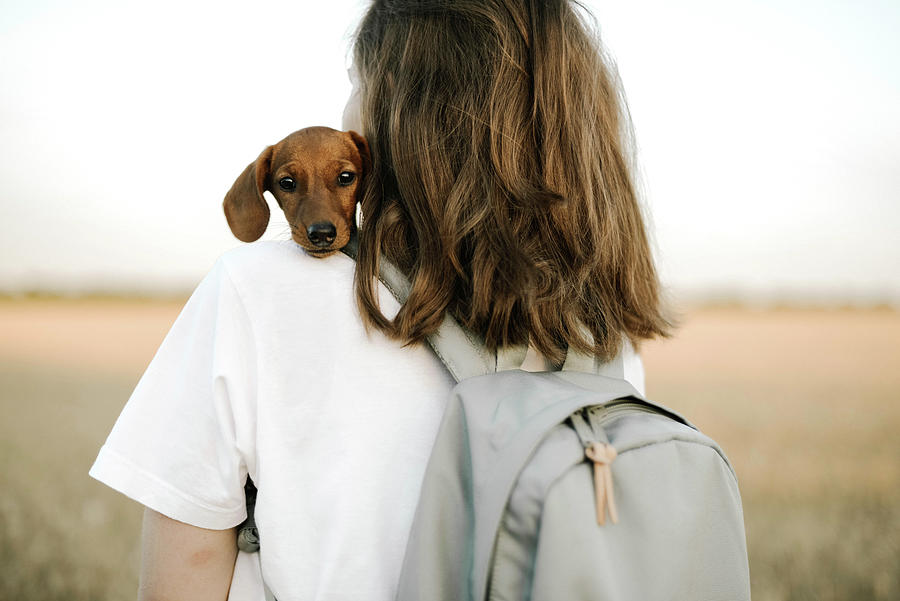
(677,300)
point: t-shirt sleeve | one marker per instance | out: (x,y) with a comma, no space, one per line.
(182,444)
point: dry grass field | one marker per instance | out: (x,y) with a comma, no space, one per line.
(804,403)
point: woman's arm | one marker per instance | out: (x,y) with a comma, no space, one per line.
(180,561)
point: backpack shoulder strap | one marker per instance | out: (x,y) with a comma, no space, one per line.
(460,350)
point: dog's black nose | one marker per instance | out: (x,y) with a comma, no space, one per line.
(321,233)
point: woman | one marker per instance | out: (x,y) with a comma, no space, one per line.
(500,184)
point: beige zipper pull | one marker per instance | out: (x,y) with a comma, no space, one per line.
(602,454)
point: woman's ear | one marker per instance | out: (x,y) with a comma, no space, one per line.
(245,206)
(363,147)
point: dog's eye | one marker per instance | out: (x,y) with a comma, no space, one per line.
(287,184)
(346,178)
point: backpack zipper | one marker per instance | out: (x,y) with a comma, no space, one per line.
(598,415)
(588,424)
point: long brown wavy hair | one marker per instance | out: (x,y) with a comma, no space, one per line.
(500,178)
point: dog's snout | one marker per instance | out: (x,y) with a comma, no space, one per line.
(321,233)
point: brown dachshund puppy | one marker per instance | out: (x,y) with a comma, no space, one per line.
(314,174)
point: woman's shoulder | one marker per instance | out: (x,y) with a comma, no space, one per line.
(277,277)
(274,263)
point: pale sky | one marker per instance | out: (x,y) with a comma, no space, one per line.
(768,133)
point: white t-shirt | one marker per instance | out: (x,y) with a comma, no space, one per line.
(268,371)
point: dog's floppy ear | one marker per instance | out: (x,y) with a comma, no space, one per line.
(245,206)
(363,148)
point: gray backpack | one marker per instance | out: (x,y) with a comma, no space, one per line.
(566,486)
(527,467)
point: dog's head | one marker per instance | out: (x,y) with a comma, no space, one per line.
(315,175)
